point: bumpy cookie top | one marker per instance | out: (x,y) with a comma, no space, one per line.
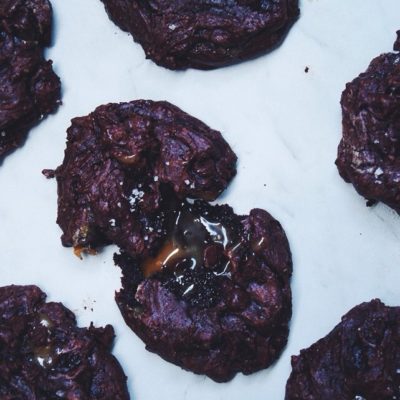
(44,355)
(202,33)
(215,298)
(29,89)
(369,153)
(358,360)
(121,160)
(27,19)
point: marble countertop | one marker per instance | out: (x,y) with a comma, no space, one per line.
(283,123)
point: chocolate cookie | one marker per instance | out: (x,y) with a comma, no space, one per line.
(29,89)
(358,360)
(119,162)
(215,297)
(369,152)
(204,34)
(44,355)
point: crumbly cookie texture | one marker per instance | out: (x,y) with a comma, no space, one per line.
(29,88)
(358,360)
(201,33)
(119,165)
(369,152)
(215,298)
(44,355)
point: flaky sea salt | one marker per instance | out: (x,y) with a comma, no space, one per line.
(136,195)
(378,172)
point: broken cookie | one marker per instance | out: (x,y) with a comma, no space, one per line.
(215,297)
(120,163)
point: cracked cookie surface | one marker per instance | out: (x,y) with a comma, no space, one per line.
(204,34)
(215,298)
(29,88)
(358,360)
(120,163)
(44,355)
(369,152)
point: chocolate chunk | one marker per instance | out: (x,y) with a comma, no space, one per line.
(215,321)
(369,152)
(358,360)
(44,355)
(201,33)
(29,89)
(120,164)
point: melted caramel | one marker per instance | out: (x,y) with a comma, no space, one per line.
(258,245)
(189,236)
(78,250)
(44,356)
(167,253)
(128,159)
(217,231)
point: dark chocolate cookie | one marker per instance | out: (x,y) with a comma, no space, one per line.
(215,298)
(29,20)
(44,355)
(29,89)
(358,360)
(369,152)
(204,34)
(119,162)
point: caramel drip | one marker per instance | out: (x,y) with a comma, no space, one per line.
(166,254)
(78,250)
(44,356)
(188,239)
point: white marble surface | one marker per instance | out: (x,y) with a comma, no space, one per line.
(283,124)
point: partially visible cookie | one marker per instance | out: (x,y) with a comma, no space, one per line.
(30,20)
(369,152)
(215,298)
(120,162)
(29,88)
(204,34)
(358,360)
(44,355)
